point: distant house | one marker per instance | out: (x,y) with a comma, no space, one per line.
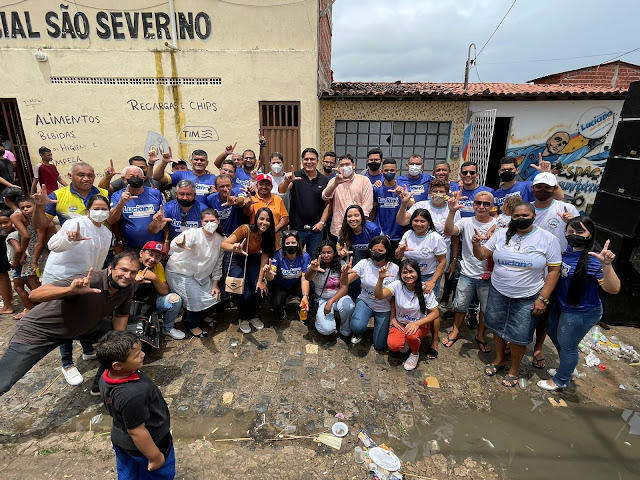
(616,74)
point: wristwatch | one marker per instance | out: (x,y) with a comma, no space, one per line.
(543,300)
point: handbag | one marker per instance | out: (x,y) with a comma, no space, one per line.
(236,284)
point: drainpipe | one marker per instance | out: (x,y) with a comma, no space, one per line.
(174,30)
(467,67)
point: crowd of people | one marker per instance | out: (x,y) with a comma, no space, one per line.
(348,246)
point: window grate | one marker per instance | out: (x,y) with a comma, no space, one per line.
(135,81)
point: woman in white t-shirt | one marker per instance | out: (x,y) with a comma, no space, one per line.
(526,269)
(367,305)
(324,272)
(424,245)
(412,322)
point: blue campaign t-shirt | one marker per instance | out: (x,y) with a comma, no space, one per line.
(388,204)
(523,190)
(590,295)
(419,185)
(289,272)
(179,223)
(361,241)
(203,182)
(241,179)
(453,186)
(467,204)
(373,178)
(231,216)
(136,216)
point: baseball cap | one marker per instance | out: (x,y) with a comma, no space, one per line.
(547,178)
(264,176)
(157,246)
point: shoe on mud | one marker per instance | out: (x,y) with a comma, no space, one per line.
(411,362)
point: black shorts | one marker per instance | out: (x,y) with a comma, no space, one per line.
(5,266)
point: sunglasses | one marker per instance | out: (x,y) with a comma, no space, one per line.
(183,216)
(249,158)
(478,203)
(468,173)
(286,233)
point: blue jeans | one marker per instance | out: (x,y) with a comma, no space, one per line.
(310,240)
(130,467)
(171,310)
(436,288)
(249,302)
(326,324)
(360,318)
(566,329)
(66,351)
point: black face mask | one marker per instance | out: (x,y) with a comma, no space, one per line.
(577,240)
(507,176)
(542,195)
(113,283)
(135,182)
(374,166)
(186,203)
(522,223)
(378,256)
(291,249)
(327,170)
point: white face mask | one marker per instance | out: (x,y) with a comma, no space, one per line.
(98,216)
(276,168)
(211,227)
(347,171)
(414,170)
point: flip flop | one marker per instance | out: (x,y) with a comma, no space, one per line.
(482,345)
(509,381)
(432,353)
(537,362)
(447,339)
(490,369)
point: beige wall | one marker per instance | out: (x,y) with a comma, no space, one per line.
(332,110)
(264,53)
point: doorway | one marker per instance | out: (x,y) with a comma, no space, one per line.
(498,149)
(280,126)
(11,129)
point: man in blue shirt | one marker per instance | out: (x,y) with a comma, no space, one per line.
(201,178)
(442,171)
(228,205)
(415,180)
(374,164)
(181,214)
(244,174)
(508,171)
(386,204)
(470,188)
(132,210)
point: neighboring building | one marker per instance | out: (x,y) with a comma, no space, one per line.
(616,74)
(97,82)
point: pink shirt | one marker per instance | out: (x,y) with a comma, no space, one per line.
(9,156)
(357,191)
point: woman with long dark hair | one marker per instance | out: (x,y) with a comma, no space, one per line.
(252,245)
(585,268)
(415,311)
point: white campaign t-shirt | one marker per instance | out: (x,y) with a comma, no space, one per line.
(471,266)
(549,220)
(407,305)
(368,273)
(439,217)
(424,249)
(520,267)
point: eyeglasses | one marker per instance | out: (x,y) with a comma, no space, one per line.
(468,173)
(249,158)
(286,233)
(478,203)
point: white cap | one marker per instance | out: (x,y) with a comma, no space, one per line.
(547,178)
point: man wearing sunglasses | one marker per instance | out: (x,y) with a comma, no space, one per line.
(470,188)
(180,214)
(201,178)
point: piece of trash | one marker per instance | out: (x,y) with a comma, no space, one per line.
(622,387)
(446,441)
(366,440)
(340,429)
(602,367)
(214,430)
(329,440)
(290,429)
(299,353)
(339,415)
(592,360)
(311,348)
(530,448)
(488,442)
(358,455)
(435,448)
(97,419)
(432,382)
(227,398)
(559,403)
(522,382)
(362,375)
(536,404)
(627,443)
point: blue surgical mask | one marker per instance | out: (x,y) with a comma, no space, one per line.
(389,176)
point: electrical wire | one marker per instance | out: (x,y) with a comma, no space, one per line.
(625,53)
(494,32)
(475,65)
(120,9)
(553,59)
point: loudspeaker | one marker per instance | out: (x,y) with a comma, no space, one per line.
(616,213)
(622,177)
(622,308)
(626,141)
(631,106)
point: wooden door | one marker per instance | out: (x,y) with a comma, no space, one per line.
(280,126)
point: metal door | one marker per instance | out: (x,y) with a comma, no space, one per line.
(280,126)
(10,116)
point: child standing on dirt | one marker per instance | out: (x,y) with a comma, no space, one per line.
(140,433)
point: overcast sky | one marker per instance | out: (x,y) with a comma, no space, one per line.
(427,40)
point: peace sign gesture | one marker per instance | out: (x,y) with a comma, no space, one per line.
(606,256)
(80,286)
(403,247)
(74,235)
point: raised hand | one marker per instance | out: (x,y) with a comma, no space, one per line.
(478,237)
(152,155)
(566,216)
(315,266)
(347,267)
(377,184)
(239,248)
(254,174)
(487,235)
(159,217)
(543,165)
(383,272)
(291,177)
(74,235)
(343,252)
(230,149)
(42,197)
(404,194)
(231,200)
(141,277)
(339,178)
(181,241)
(126,196)
(80,286)
(110,170)
(606,256)
(167,157)
(403,247)
(454,201)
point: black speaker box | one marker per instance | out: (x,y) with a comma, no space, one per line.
(616,213)
(622,308)
(631,106)
(626,141)
(622,177)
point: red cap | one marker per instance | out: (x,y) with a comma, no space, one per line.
(264,176)
(157,246)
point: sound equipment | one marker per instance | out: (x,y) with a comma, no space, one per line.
(626,141)
(622,177)
(622,308)
(617,213)
(631,107)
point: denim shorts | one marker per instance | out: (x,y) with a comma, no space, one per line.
(466,291)
(436,288)
(17,273)
(511,318)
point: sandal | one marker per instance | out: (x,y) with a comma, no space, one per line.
(490,369)
(482,345)
(202,334)
(509,381)
(537,362)
(432,353)
(448,339)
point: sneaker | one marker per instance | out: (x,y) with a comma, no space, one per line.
(553,371)
(411,362)
(355,339)
(90,356)
(404,349)
(95,391)
(175,334)
(244,326)
(257,323)
(72,376)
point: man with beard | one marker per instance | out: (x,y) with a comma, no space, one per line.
(75,308)
(180,214)
(374,165)
(244,174)
(201,178)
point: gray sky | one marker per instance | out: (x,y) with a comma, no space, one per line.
(427,40)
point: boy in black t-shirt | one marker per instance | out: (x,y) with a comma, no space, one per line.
(140,432)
